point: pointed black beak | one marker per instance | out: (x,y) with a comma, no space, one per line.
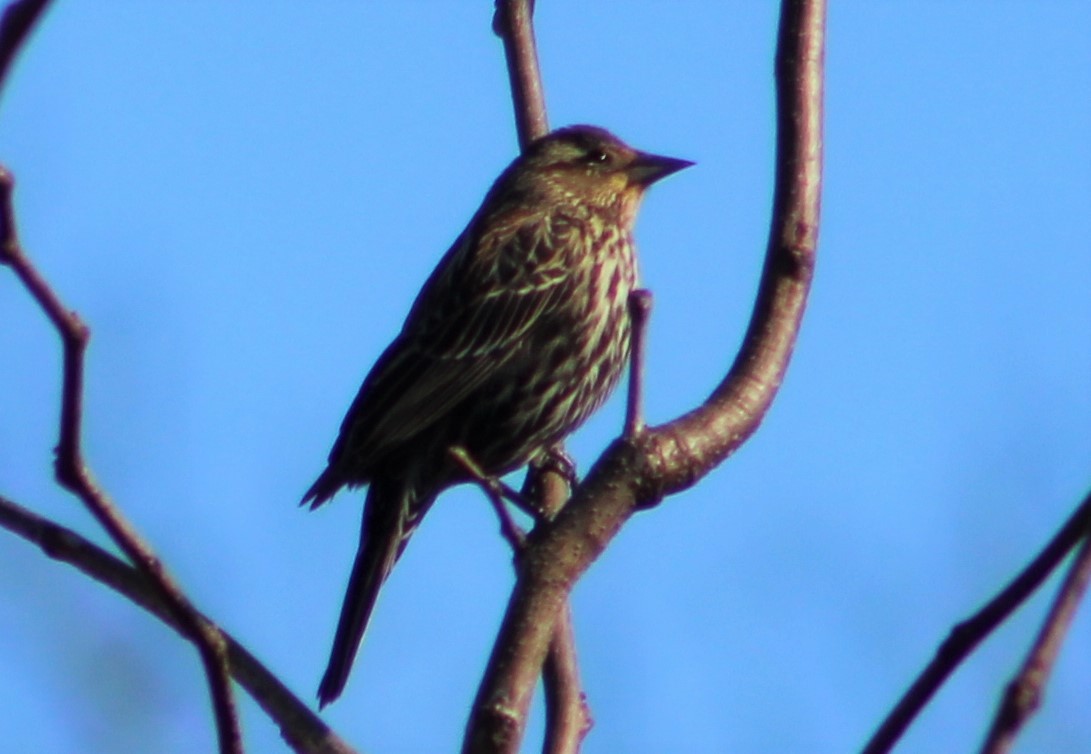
(647,168)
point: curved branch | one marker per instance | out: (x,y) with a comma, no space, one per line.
(18,21)
(638,471)
(301,728)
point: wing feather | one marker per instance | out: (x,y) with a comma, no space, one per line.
(478,304)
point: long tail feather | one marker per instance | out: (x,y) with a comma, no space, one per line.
(388,521)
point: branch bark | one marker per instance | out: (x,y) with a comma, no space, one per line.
(513,23)
(1024,694)
(71,470)
(967,635)
(640,309)
(74,475)
(18,21)
(301,728)
(639,471)
(568,718)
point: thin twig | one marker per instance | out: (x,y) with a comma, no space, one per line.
(640,308)
(965,637)
(301,728)
(513,22)
(74,475)
(1024,694)
(637,472)
(494,490)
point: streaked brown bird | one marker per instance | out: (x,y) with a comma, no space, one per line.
(519,334)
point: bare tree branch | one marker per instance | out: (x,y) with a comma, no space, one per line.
(965,637)
(638,471)
(1024,694)
(567,716)
(74,475)
(71,470)
(301,728)
(640,309)
(513,23)
(16,24)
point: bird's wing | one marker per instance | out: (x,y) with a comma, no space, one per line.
(475,308)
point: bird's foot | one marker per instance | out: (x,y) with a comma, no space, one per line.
(556,459)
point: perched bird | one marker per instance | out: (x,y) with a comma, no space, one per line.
(519,334)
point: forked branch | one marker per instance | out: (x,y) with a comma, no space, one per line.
(967,635)
(637,471)
(301,728)
(1024,694)
(71,470)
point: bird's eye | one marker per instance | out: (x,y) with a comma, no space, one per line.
(598,157)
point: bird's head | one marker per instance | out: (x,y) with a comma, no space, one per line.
(587,164)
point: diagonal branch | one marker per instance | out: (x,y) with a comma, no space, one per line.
(301,728)
(71,470)
(568,717)
(1024,694)
(639,471)
(967,635)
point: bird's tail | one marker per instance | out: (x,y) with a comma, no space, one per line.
(391,514)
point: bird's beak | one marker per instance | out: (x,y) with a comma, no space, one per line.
(647,168)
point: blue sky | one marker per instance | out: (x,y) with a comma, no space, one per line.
(242,202)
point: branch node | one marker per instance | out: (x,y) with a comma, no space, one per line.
(498,729)
(67,469)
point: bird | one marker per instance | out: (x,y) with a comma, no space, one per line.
(518,335)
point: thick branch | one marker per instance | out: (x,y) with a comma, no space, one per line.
(301,728)
(567,717)
(638,471)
